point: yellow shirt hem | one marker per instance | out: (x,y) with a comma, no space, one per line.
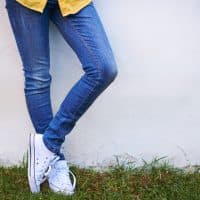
(63,8)
(38,8)
(76,9)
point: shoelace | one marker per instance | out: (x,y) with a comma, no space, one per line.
(73,176)
(74,179)
(68,172)
(49,169)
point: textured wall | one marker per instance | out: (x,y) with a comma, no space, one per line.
(152,108)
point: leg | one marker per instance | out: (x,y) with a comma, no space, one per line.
(85,34)
(31,31)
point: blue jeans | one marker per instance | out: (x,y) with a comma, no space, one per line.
(85,34)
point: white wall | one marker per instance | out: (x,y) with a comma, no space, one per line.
(152,108)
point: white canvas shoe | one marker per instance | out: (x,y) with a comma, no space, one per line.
(59,178)
(40,160)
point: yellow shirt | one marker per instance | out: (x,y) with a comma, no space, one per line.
(66,6)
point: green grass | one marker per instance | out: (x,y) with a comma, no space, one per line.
(151,182)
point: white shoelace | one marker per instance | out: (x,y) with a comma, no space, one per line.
(74,179)
(68,173)
(48,170)
(73,176)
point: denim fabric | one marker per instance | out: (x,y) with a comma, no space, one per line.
(85,34)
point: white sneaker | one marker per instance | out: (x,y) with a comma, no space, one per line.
(40,159)
(59,178)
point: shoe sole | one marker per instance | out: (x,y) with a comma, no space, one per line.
(31,165)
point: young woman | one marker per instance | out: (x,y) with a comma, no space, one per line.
(81,27)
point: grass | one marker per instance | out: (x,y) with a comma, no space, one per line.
(152,181)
